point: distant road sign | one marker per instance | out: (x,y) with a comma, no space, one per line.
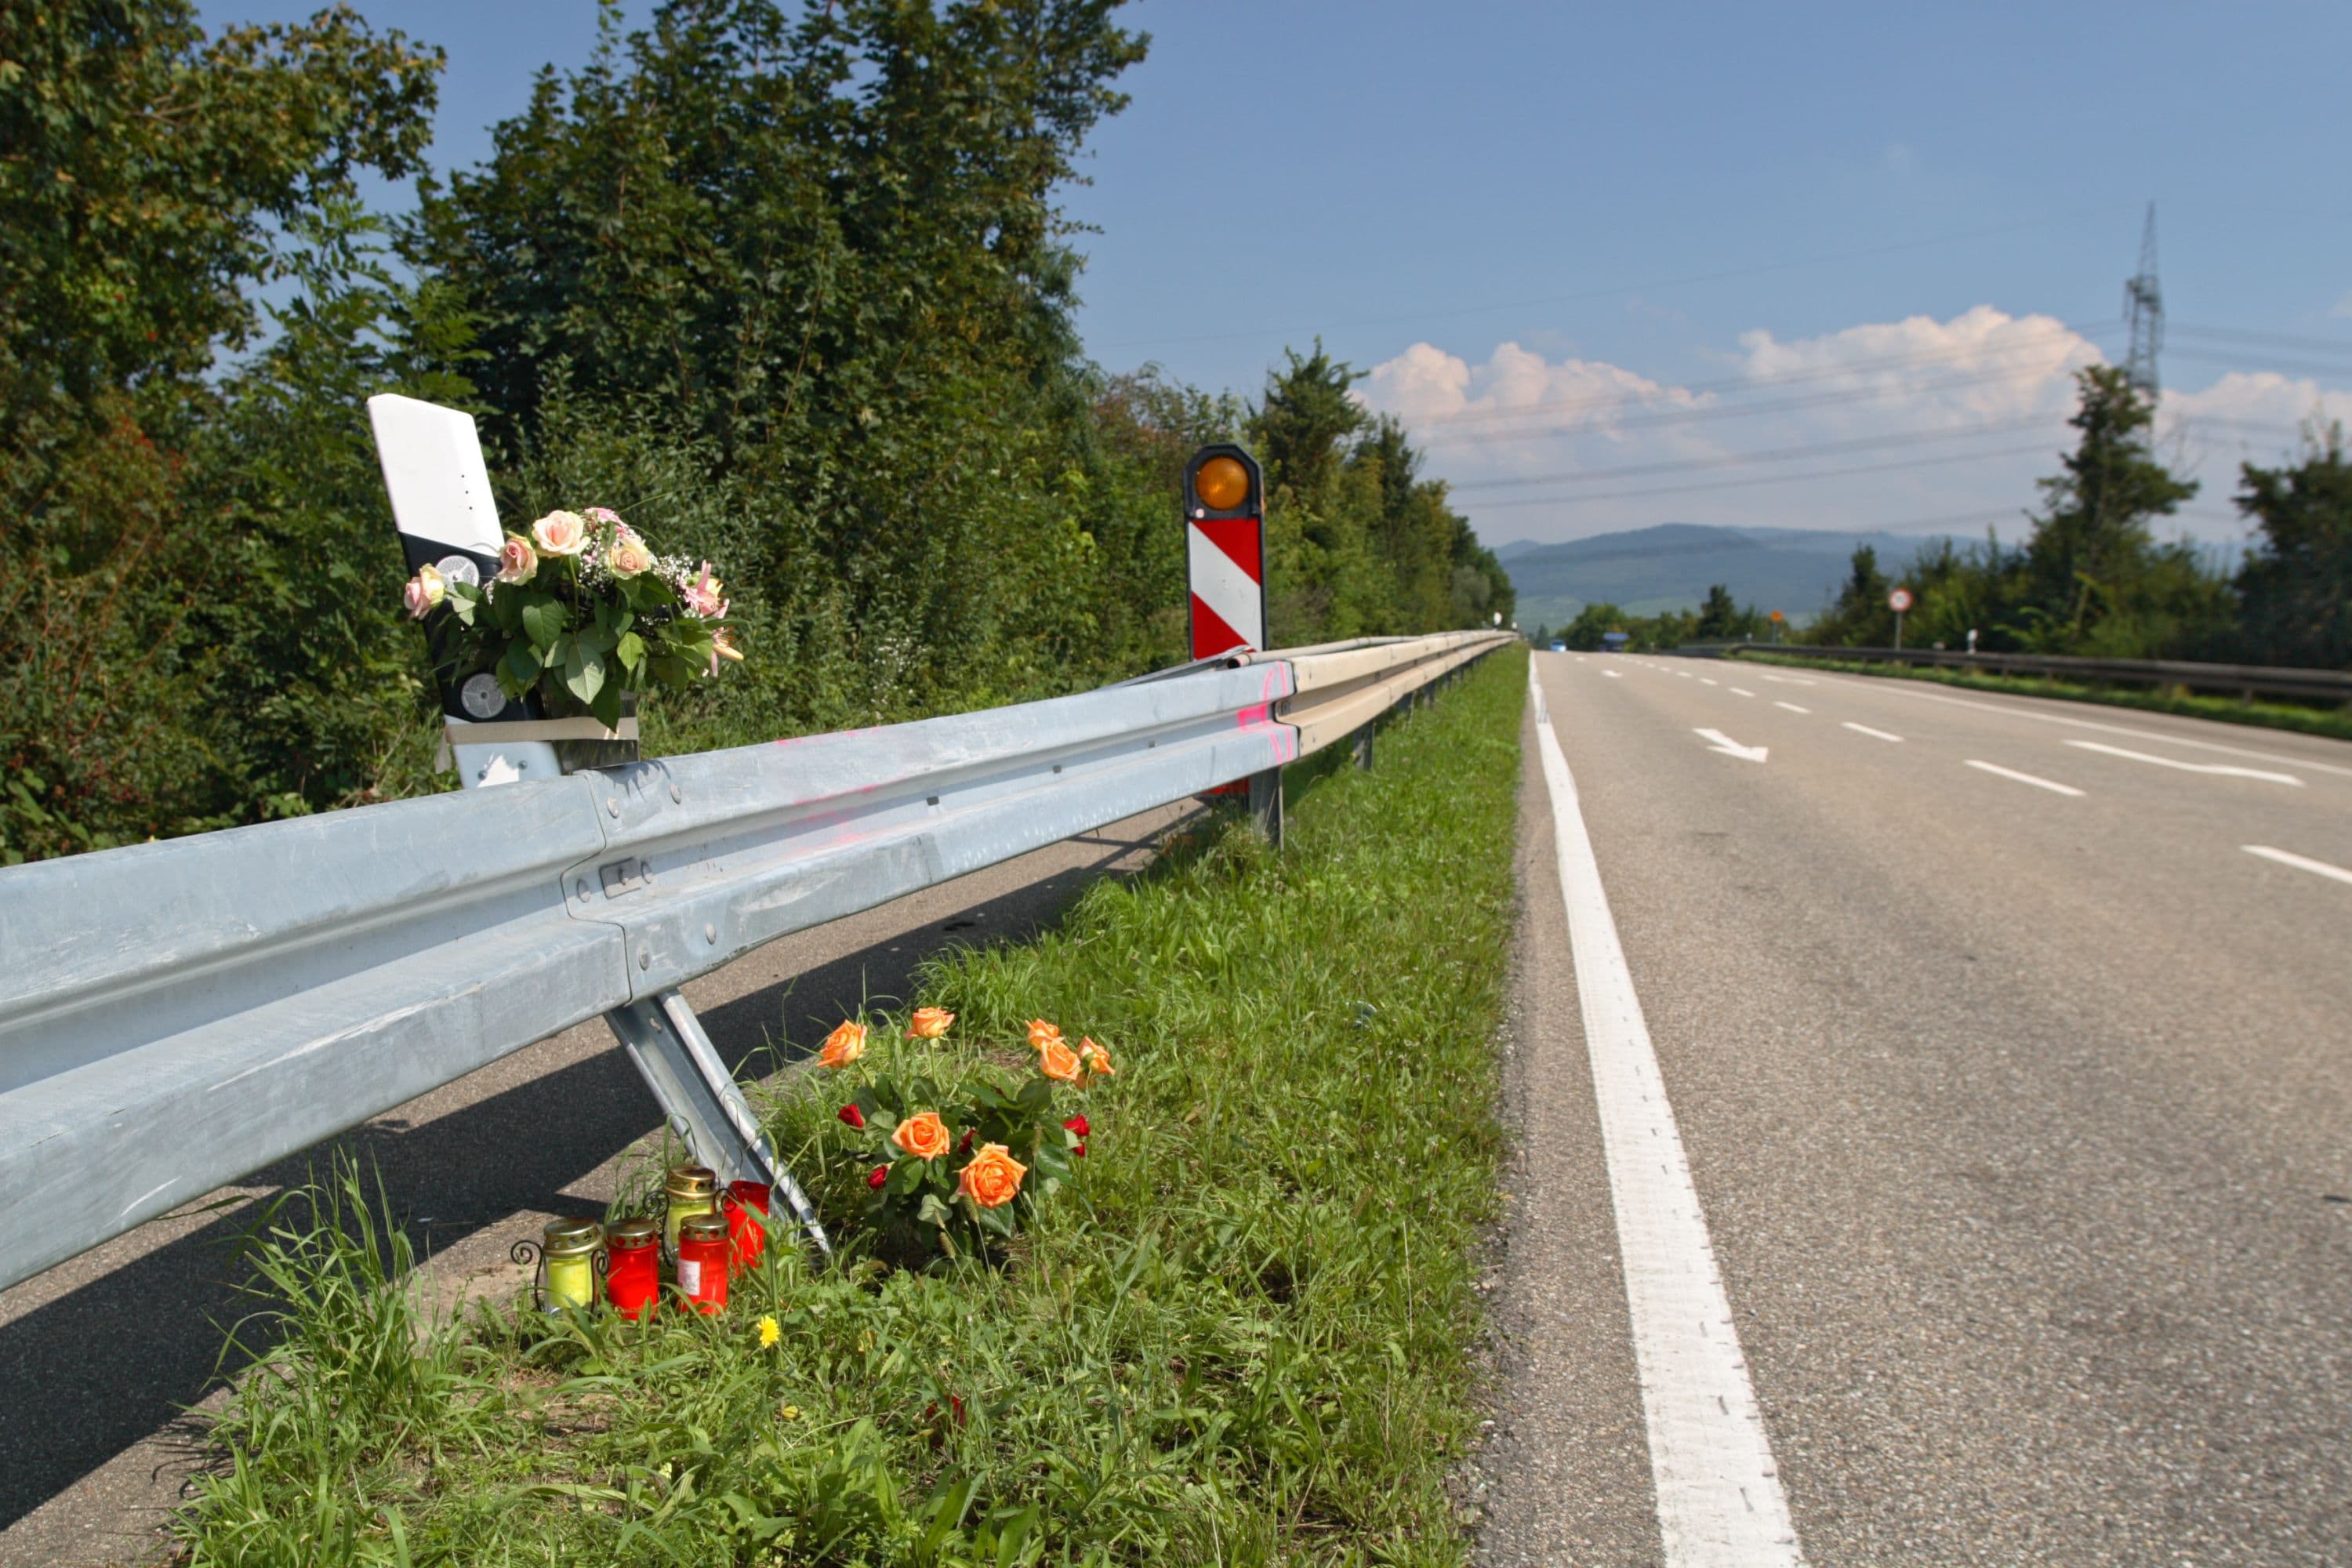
(1899,600)
(1777,615)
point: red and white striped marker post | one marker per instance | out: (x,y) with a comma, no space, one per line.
(1224,549)
(1224,570)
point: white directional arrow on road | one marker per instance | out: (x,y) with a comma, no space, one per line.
(1731,748)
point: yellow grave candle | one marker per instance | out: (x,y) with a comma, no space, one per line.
(690,1189)
(569,1248)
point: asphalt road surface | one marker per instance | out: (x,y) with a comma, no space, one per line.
(2010,1044)
(99,1355)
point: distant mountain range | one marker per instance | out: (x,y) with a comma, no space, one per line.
(1669,567)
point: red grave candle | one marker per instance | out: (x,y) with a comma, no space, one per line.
(702,1250)
(747,1222)
(633,1269)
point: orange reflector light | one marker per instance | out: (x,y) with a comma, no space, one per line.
(1222,484)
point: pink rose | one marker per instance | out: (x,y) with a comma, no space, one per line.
(517,562)
(423,592)
(629,557)
(606,514)
(702,595)
(561,534)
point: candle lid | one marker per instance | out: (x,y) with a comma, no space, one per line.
(570,1237)
(692,1182)
(703,1228)
(626,1234)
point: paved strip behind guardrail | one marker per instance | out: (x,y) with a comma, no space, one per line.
(2249,679)
(176,1014)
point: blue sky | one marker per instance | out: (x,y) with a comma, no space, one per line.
(1600,256)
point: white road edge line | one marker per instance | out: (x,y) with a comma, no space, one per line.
(2301,863)
(2221,770)
(1719,1499)
(2024,778)
(1866,730)
(1792,707)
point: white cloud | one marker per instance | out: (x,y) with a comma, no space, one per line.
(1896,423)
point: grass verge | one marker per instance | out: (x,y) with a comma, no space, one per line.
(1240,1336)
(2334,723)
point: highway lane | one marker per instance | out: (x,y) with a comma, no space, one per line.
(2018,1118)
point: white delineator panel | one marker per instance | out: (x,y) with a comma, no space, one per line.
(1225,563)
(433,470)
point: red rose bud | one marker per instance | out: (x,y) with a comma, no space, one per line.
(1077,1124)
(881,1174)
(854,1116)
(964,1147)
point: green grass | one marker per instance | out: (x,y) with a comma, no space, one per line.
(1242,1336)
(2334,722)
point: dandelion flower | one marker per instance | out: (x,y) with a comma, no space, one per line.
(769,1333)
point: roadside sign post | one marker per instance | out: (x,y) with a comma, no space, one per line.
(1224,571)
(1899,601)
(1777,619)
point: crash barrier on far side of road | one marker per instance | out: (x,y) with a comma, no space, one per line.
(2250,680)
(176,1014)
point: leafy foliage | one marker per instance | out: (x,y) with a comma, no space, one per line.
(783,283)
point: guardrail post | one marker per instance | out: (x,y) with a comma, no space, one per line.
(1266,805)
(1364,746)
(701,1103)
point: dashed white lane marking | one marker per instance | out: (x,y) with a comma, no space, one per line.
(1683,673)
(1703,681)
(1866,730)
(2300,862)
(1791,681)
(1741,691)
(1719,1499)
(2224,770)
(1911,689)
(2024,778)
(1792,707)
(1612,675)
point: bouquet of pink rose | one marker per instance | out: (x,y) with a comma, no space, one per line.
(583,612)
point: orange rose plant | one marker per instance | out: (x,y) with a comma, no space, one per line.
(946,1167)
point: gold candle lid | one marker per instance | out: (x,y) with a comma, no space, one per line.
(692,1182)
(571,1238)
(629,1233)
(703,1228)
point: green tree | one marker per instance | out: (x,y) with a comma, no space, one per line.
(151,180)
(1858,616)
(2093,539)
(2295,588)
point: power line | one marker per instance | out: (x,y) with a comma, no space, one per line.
(2238,361)
(1731,411)
(1783,454)
(1782,378)
(1764,479)
(2270,340)
(1760,269)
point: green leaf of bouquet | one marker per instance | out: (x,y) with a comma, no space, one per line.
(522,663)
(606,705)
(632,649)
(544,621)
(583,674)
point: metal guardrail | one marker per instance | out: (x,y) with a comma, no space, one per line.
(2249,679)
(176,1014)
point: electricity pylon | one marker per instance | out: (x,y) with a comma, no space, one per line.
(2144,304)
